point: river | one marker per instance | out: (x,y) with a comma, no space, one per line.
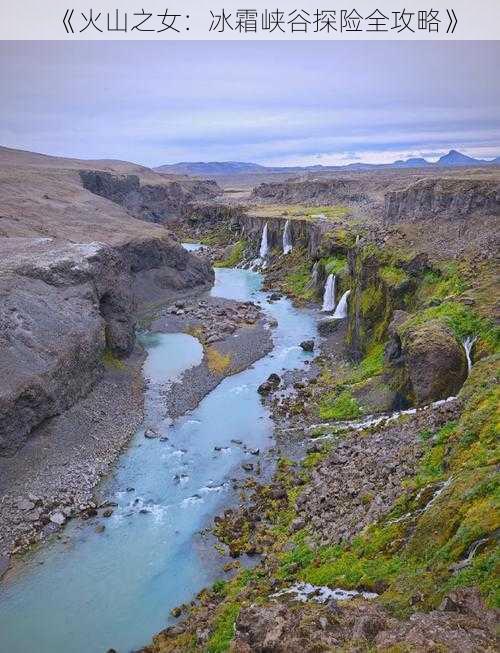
(88,591)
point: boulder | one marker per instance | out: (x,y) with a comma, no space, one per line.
(307,345)
(272,383)
(434,361)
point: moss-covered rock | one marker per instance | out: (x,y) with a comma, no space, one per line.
(426,361)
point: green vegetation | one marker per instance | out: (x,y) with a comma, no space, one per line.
(223,630)
(461,320)
(450,504)
(339,407)
(335,264)
(300,211)
(297,276)
(235,256)
(443,283)
(392,275)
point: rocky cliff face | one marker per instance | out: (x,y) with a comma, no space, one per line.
(155,202)
(456,198)
(329,191)
(63,309)
(74,271)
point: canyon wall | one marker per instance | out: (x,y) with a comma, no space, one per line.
(328,191)
(457,198)
(75,270)
(155,202)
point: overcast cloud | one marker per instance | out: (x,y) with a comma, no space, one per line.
(279,103)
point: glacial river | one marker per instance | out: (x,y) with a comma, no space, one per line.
(89,591)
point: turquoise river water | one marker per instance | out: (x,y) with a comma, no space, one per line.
(89,591)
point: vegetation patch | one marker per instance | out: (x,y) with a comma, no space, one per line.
(392,275)
(335,264)
(223,630)
(234,257)
(339,407)
(112,361)
(462,320)
(217,362)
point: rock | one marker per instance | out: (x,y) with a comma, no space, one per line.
(150,433)
(57,518)
(307,345)
(248,467)
(271,384)
(176,612)
(25,504)
(255,452)
(274,296)
(100,528)
(328,326)
(107,513)
(433,363)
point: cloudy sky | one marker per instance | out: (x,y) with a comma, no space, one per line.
(277,103)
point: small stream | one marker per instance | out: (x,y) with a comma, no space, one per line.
(89,591)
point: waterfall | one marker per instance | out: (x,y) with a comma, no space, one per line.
(468,343)
(329,294)
(287,239)
(263,243)
(341,310)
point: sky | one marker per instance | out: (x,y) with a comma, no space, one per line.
(273,103)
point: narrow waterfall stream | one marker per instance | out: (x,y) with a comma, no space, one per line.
(263,243)
(88,591)
(329,294)
(341,310)
(287,239)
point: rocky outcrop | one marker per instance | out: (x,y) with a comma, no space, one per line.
(74,270)
(63,307)
(462,624)
(328,191)
(155,202)
(426,361)
(455,198)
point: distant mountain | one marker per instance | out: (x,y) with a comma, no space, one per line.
(455,158)
(214,168)
(416,162)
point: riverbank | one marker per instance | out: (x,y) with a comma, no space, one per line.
(57,477)
(163,492)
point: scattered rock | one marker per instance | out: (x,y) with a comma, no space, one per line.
(328,326)
(58,518)
(307,345)
(271,384)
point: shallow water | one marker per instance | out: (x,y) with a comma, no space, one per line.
(89,592)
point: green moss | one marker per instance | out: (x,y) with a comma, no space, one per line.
(461,320)
(392,275)
(235,256)
(371,299)
(335,264)
(444,282)
(339,407)
(371,364)
(297,275)
(223,628)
